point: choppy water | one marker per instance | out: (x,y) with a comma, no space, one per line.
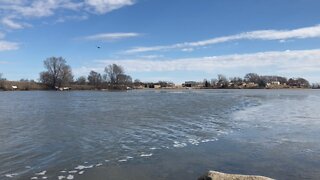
(60,135)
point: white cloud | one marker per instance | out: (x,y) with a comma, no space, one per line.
(281,35)
(12,24)
(104,6)
(8,46)
(74,18)
(111,36)
(277,62)
(12,10)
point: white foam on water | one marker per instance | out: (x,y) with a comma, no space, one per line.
(129,157)
(70,176)
(61,177)
(122,160)
(194,142)
(154,148)
(106,160)
(28,167)
(209,140)
(63,171)
(307,151)
(81,172)
(179,145)
(146,155)
(165,147)
(42,173)
(99,164)
(81,167)
(44,177)
(11,175)
(34,178)
(73,171)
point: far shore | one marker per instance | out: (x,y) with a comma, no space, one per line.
(36,86)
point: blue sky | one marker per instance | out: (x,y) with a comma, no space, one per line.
(173,40)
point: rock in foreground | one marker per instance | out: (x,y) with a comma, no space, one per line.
(214,175)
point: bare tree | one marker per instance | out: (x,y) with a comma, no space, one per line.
(82,80)
(112,72)
(252,77)
(95,79)
(1,81)
(214,82)
(123,79)
(222,81)
(58,72)
(206,83)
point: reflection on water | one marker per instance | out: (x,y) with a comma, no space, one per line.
(71,132)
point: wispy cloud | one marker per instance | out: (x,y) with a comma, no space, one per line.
(8,22)
(8,46)
(16,14)
(72,18)
(111,36)
(104,6)
(282,35)
(23,10)
(280,62)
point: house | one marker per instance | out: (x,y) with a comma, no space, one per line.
(190,84)
(251,85)
(157,86)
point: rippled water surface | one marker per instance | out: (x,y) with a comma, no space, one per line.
(60,135)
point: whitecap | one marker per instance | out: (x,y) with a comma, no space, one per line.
(81,167)
(34,178)
(11,175)
(146,155)
(179,145)
(44,177)
(205,140)
(99,164)
(61,177)
(70,176)
(193,141)
(81,172)
(73,171)
(42,173)
(208,140)
(122,160)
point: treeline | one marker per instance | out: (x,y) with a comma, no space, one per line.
(58,75)
(253,80)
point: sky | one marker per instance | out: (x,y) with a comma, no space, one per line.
(170,40)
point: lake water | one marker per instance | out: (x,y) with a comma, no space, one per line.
(71,135)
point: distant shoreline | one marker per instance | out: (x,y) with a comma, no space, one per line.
(35,86)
